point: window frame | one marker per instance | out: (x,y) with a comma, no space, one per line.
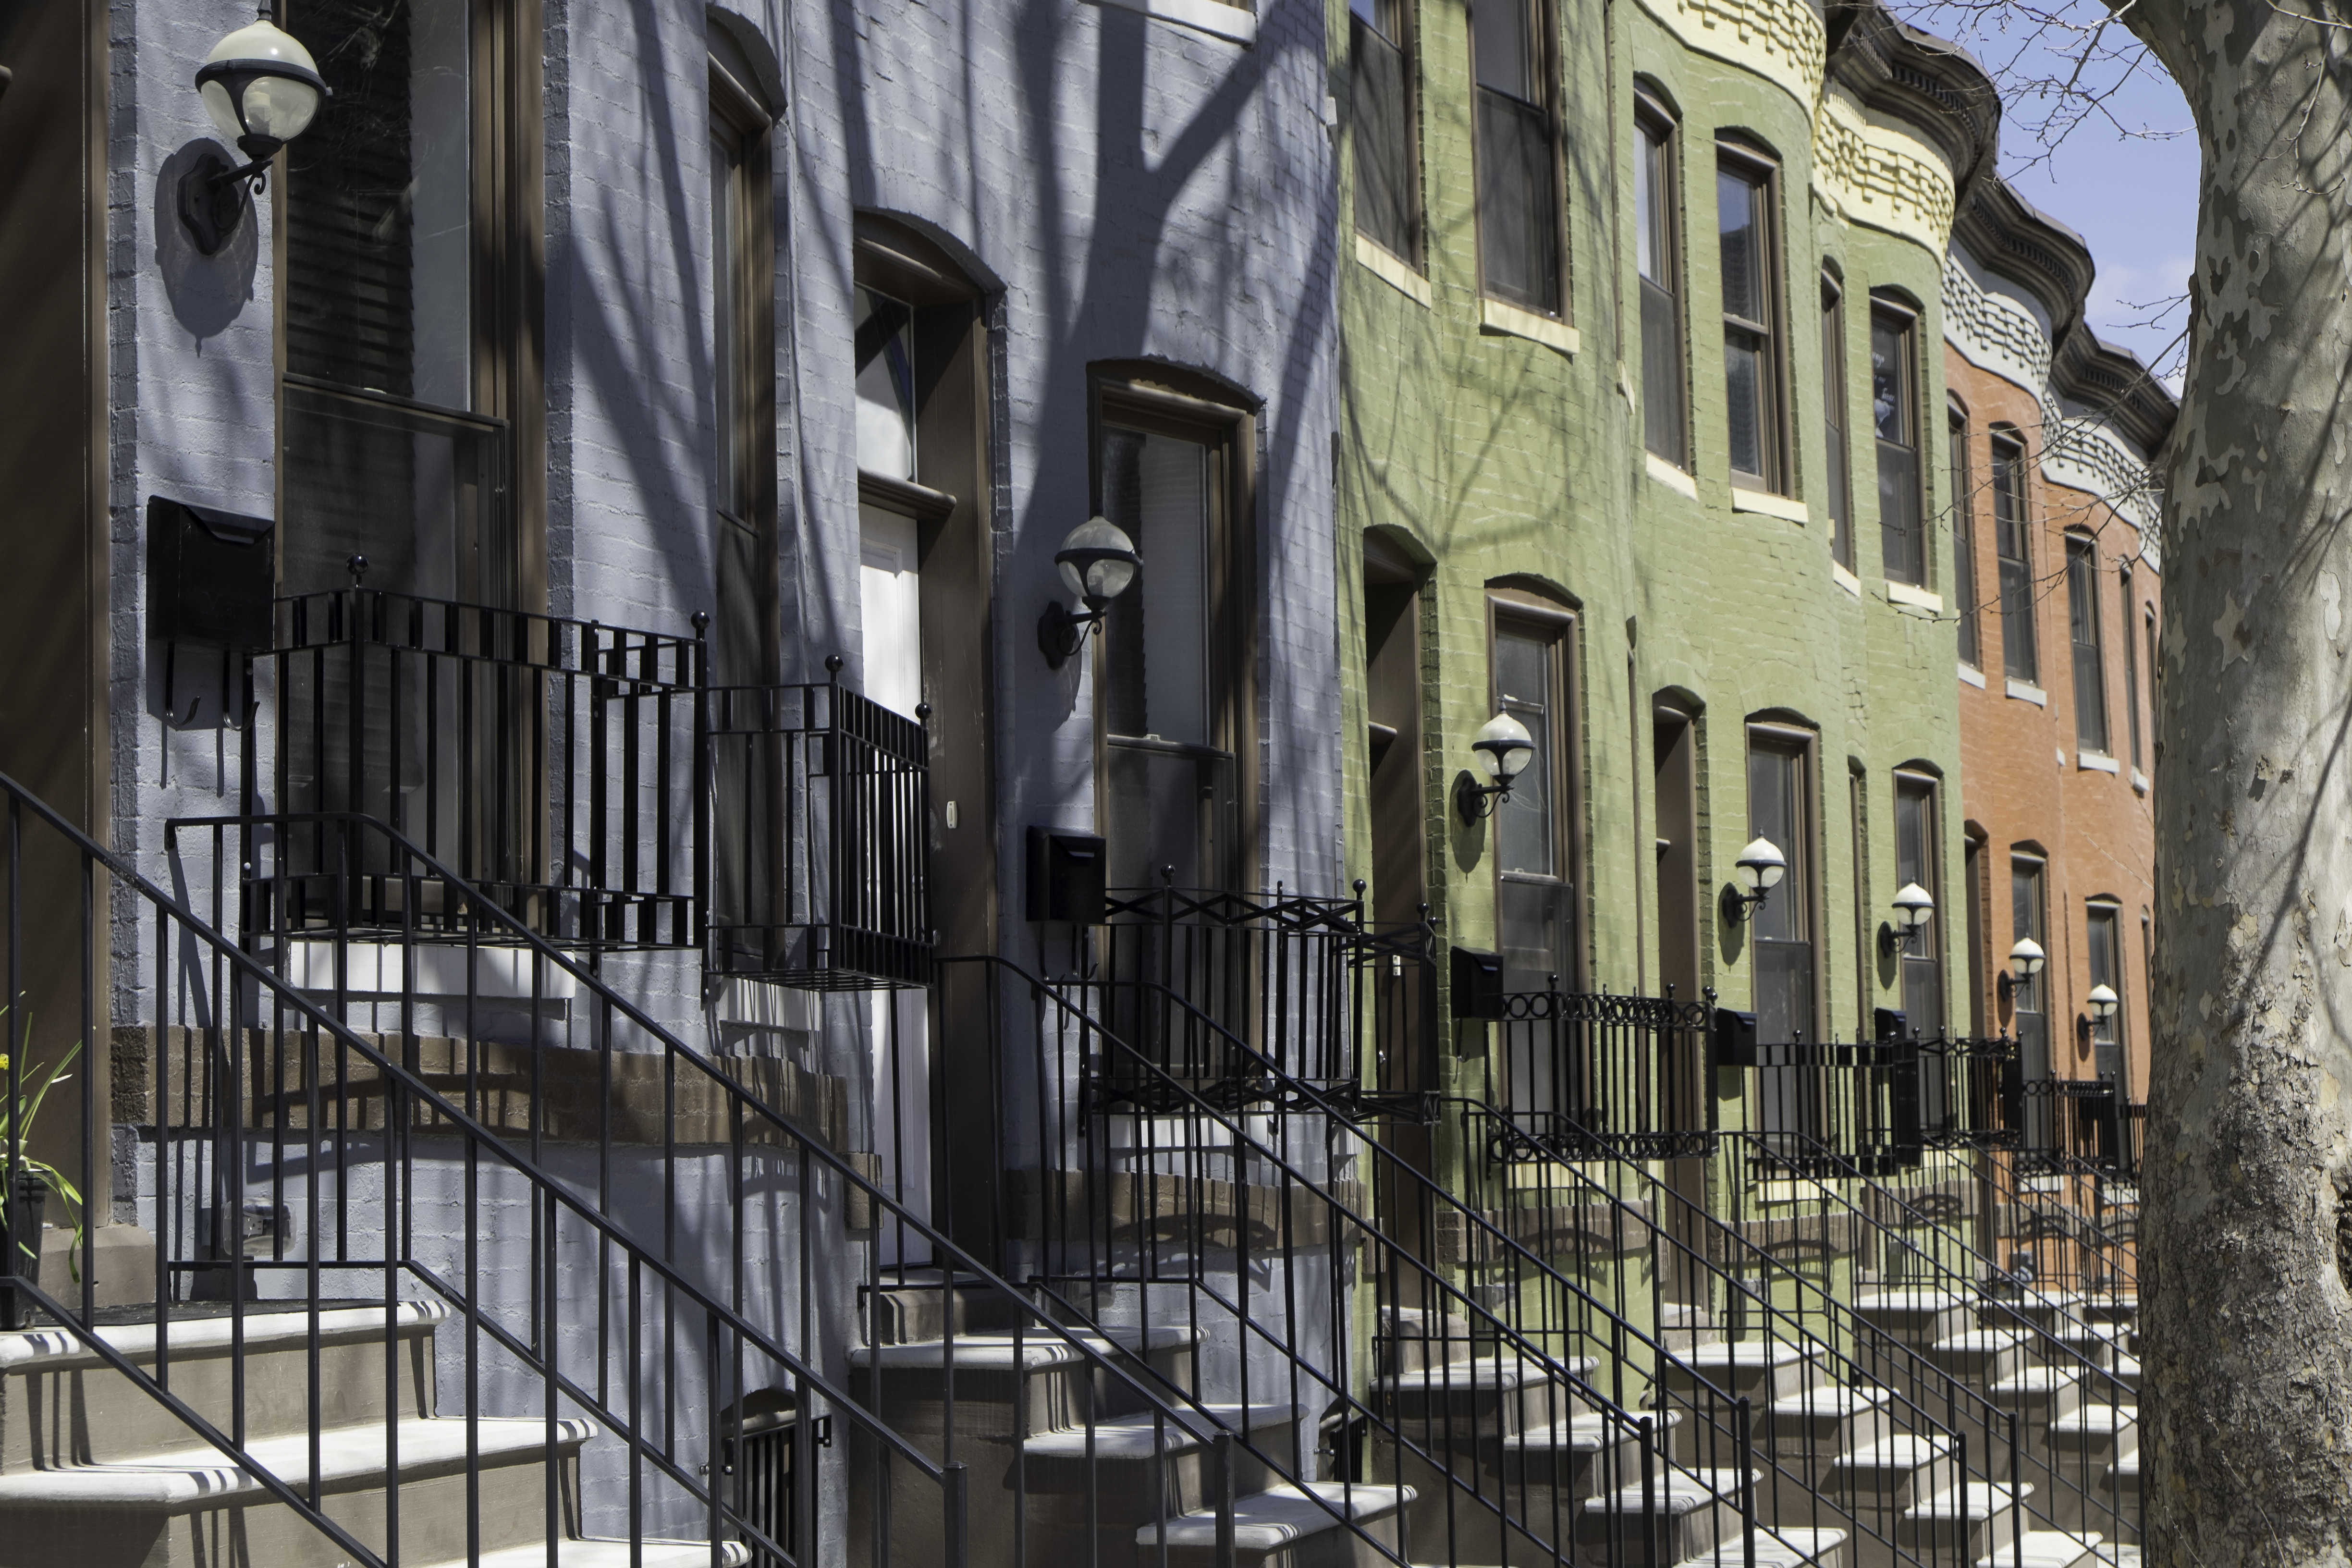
(749,280)
(2020,643)
(1838,419)
(1907,324)
(1928,947)
(1161,400)
(2082,576)
(2040,1113)
(1655,126)
(1539,617)
(1543,21)
(2098,910)
(1960,476)
(1801,1088)
(1761,171)
(1407,45)
(2131,668)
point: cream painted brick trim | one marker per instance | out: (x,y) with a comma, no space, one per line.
(1845,579)
(1769,505)
(1392,270)
(1904,593)
(2092,762)
(1672,477)
(1973,676)
(1211,17)
(1494,316)
(2026,692)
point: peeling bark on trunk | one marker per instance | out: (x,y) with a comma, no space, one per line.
(2246,1402)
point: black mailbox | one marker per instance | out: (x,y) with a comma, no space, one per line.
(1067,877)
(1735,1038)
(1891,1026)
(210,575)
(1477,983)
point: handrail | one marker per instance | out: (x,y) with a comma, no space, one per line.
(1663,1355)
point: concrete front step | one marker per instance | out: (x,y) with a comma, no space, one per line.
(1759,1370)
(1976,1519)
(60,1400)
(1143,1468)
(1691,1510)
(1830,1420)
(610,1554)
(2046,1549)
(168,1508)
(1487,1396)
(1982,1355)
(1917,1317)
(1058,1378)
(1299,1527)
(1897,1471)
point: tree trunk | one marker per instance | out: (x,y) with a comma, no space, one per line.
(2246,1237)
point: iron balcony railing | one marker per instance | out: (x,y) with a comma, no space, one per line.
(550,764)
(820,873)
(1878,1106)
(1579,1074)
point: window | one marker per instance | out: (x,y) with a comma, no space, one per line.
(2104,944)
(1780,932)
(2083,627)
(1964,539)
(2131,668)
(1535,839)
(1658,259)
(2026,993)
(1833,409)
(2019,656)
(401,296)
(1917,859)
(1175,664)
(742,390)
(2154,671)
(1894,414)
(1518,166)
(1381,69)
(1973,861)
(1752,357)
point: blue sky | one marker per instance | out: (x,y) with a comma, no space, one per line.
(2123,174)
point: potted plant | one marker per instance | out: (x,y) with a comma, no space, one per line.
(25,1203)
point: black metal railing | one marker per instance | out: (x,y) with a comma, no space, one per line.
(549,762)
(820,871)
(1230,1219)
(1203,985)
(1878,1105)
(623,1246)
(1579,1074)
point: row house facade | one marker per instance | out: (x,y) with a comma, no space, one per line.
(1120,781)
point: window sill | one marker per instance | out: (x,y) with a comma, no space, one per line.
(1769,505)
(1672,477)
(1845,579)
(2140,782)
(1211,17)
(1974,677)
(2028,694)
(1494,316)
(1917,599)
(1390,267)
(2095,762)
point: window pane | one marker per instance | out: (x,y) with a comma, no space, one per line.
(1519,231)
(2020,658)
(886,385)
(1525,828)
(1744,371)
(1902,537)
(1653,191)
(2025,999)
(2131,669)
(2107,969)
(727,483)
(1156,488)
(1890,381)
(2082,625)
(1662,375)
(1916,861)
(1833,416)
(1736,226)
(380,201)
(1505,45)
(1381,136)
(1780,932)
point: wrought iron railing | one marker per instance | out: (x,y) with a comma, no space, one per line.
(820,873)
(1879,1105)
(624,1235)
(550,763)
(1579,1074)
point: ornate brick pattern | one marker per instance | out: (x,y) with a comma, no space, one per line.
(1781,40)
(1880,177)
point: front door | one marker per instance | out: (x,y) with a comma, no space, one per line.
(898,1030)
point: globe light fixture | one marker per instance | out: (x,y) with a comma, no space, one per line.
(1098,563)
(1914,908)
(2027,958)
(1760,866)
(262,89)
(1503,747)
(2103,1001)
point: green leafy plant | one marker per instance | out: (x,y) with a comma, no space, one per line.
(18,1113)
